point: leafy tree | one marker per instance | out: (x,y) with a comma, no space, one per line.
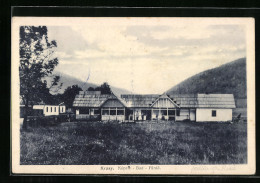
(104,88)
(91,89)
(69,95)
(36,62)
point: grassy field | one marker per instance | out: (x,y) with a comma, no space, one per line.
(134,143)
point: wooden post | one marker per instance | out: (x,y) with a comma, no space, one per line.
(158,114)
(116,113)
(134,114)
(175,115)
(167,114)
(124,115)
(109,114)
(152,114)
(189,113)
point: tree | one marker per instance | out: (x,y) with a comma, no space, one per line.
(69,95)
(104,88)
(36,62)
(91,89)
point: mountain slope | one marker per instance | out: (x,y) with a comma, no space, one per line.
(228,78)
(69,81)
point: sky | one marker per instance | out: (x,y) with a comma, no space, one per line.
(145,56)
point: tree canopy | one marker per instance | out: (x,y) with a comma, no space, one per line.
(104,88)
(36,62)
(69,95)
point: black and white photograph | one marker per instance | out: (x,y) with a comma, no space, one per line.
(131,95)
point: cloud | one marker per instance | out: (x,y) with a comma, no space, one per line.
(124,55)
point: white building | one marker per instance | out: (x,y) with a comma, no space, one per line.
(50,110)
(215,107)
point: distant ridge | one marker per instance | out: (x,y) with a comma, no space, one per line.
(69,81)
(229,78)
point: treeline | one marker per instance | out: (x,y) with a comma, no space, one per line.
(70,92)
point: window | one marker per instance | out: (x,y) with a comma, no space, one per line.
(105,112)
(214,113)
(112,112)
(61,109)
(46,109)
(164,112)
(178,112)
(83,110)
(51,109)
(96,111)
(120,112)
(54,109)
(156,112)
(171,112)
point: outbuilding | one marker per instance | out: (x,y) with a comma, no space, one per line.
(215,107)
(49,110)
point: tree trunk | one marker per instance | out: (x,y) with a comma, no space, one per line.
(25,123)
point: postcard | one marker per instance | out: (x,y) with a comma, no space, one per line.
(133,95)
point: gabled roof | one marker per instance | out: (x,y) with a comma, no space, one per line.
(119,98)
(94,99)
(216,101)
(164,96)
(90,99)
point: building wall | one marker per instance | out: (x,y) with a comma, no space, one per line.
(193,114)
(38,107)
(115,105)
(90,115)
(113,117)
(203,115)
(161,114)
(82,116)
(184,115)
(50,110)
(62,109)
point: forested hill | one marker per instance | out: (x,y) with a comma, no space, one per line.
(228,78)
(67,81)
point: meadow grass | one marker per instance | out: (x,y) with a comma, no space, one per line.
(88,143)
